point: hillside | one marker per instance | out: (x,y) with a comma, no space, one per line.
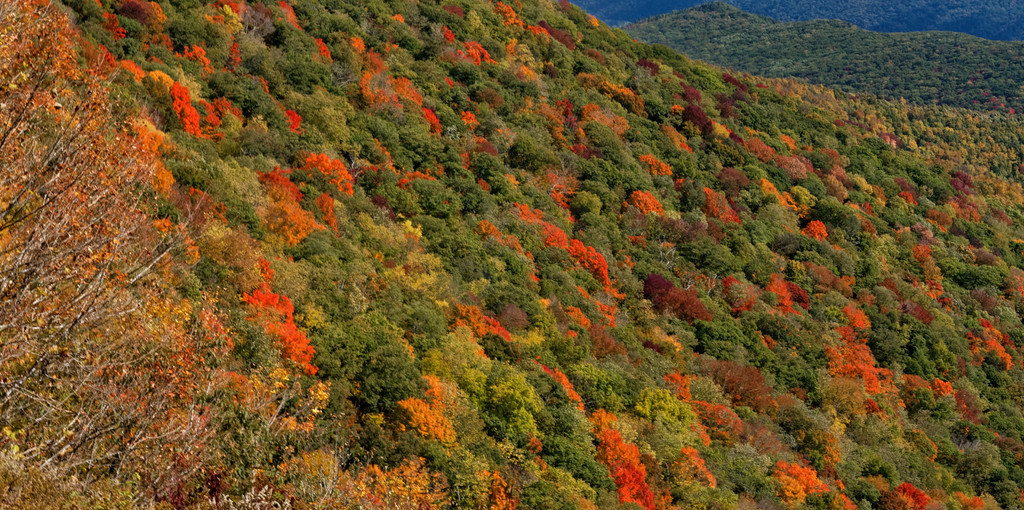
(925,68)
(461,254)
(982,18)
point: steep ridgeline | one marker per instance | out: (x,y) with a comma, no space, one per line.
(925,68)
(464,254)
(999,20)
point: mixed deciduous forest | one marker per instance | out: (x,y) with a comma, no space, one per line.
(998,20)
(468,254)
(925,68)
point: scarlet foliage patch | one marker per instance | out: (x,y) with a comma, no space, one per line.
(777,285)
(215,112)
(198,54)
(590,259)
(720,422)
(509,16)
(183,108)
(294,121)
(680,385)
(334,170)
(915,498)
(760,150)
(856,318)
(113,26)
(137,73)
(623,462)
(990,340)
(555,237)
(289,14)
(941,388)
(432,121)
(578,316)
(566,384)
(854,359)
(969,406)
(234,56)
(323,50)
(969,503)
(278,179)
(476,53)
(487,229)
(277,315)
(427,420)
(428,416)
(405,89)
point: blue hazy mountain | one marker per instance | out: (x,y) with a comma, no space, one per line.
(984,18)
(945,68)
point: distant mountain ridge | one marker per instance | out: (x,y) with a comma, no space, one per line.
(927,67)
(988,19)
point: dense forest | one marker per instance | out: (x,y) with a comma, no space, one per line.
(465,254)
(1000,20)
(924,68)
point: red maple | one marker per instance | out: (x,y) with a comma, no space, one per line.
(183,108)
(277,314)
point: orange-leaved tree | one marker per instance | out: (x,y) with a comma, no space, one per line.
(645,202)
(283,215)
(797,482)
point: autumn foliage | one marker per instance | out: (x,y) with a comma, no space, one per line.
(740,296)
(717,206)
(685,303)
(283,215)
(100,371)
(428,416)
(796,482)
(655,166)
(276,313)
(473,318)
(645,202)
(187,113)
(492,226)
(623,462)
(331,169)
(564,382)
(815,230)
(692,467)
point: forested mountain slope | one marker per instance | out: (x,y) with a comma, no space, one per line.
(925,68)
(999,20)
(461,254)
